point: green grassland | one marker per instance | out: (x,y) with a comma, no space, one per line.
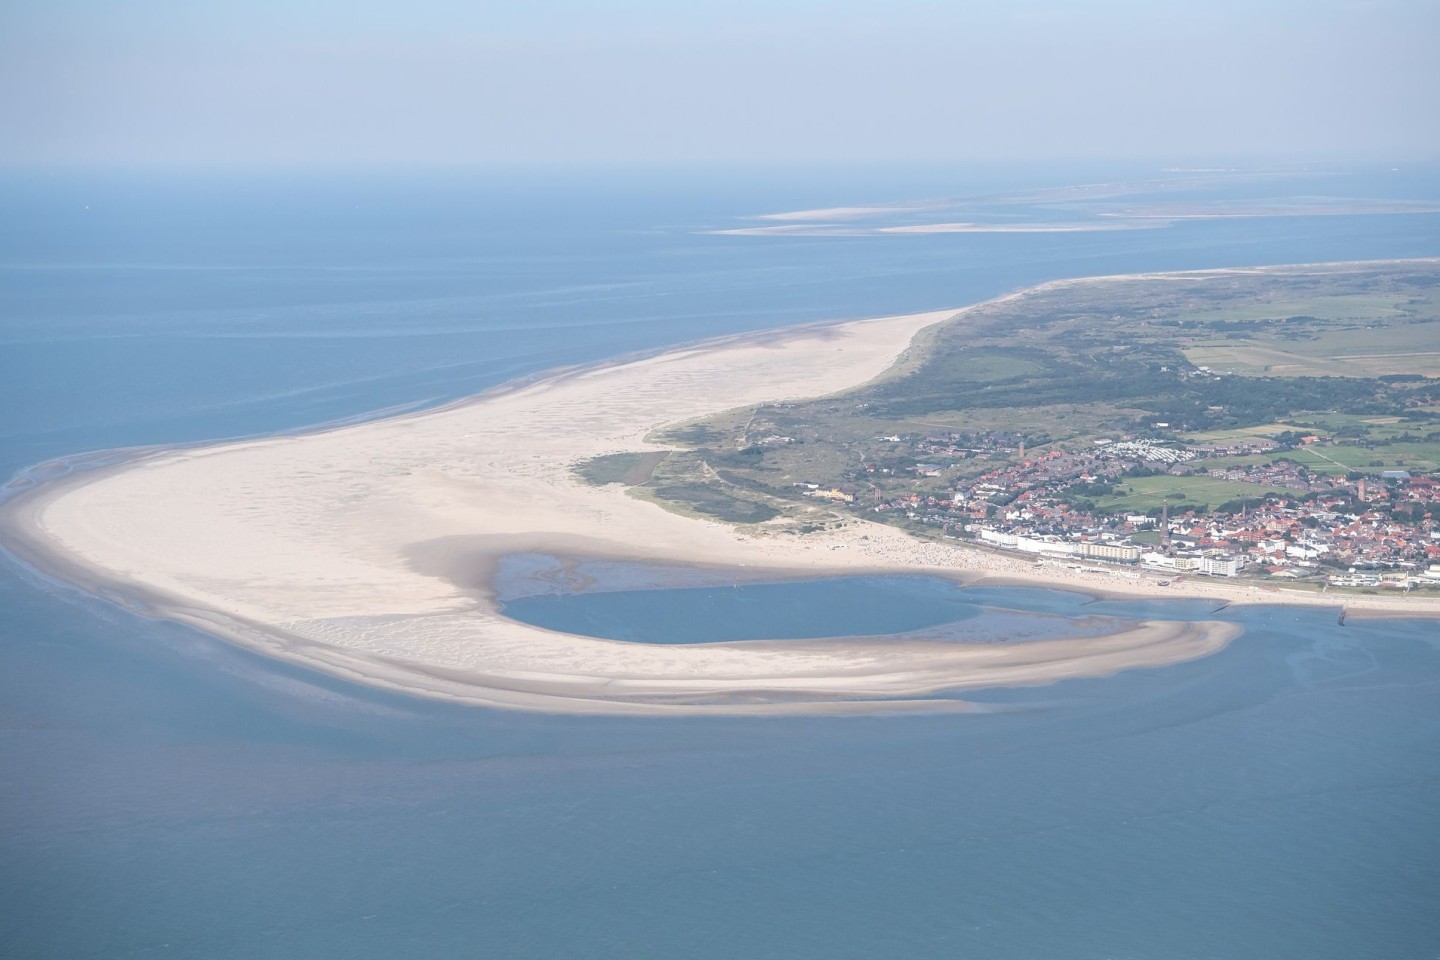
(1364,444)
(713,502)
(1140,494)
(1260,431)
(1323,336)
(1337,306)
(630,469)
(686,482)
(1340,459)
(1391,352)
(1368,428)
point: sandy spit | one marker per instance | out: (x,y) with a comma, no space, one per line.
(329,549)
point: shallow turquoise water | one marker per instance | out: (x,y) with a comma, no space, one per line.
(168,795)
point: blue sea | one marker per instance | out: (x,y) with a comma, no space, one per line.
(167,795)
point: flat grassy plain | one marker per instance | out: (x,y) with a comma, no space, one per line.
(1261,431)
(1256,359)
(1340,306)
(1140,494)
(1370,429)
(1336,336)
(1340,459)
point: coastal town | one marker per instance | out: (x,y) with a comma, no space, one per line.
(1367,530)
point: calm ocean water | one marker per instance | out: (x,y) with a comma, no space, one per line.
(167,795)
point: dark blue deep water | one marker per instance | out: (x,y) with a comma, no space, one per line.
(166,795)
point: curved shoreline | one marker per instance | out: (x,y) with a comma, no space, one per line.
(332,556)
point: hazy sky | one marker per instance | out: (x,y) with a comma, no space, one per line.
(470,81)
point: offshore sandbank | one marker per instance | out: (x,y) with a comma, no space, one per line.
(342,549)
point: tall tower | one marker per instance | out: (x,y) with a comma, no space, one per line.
(1362,488)
(1022,451)
(1165,525)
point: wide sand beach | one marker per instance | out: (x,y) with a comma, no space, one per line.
(352,550)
